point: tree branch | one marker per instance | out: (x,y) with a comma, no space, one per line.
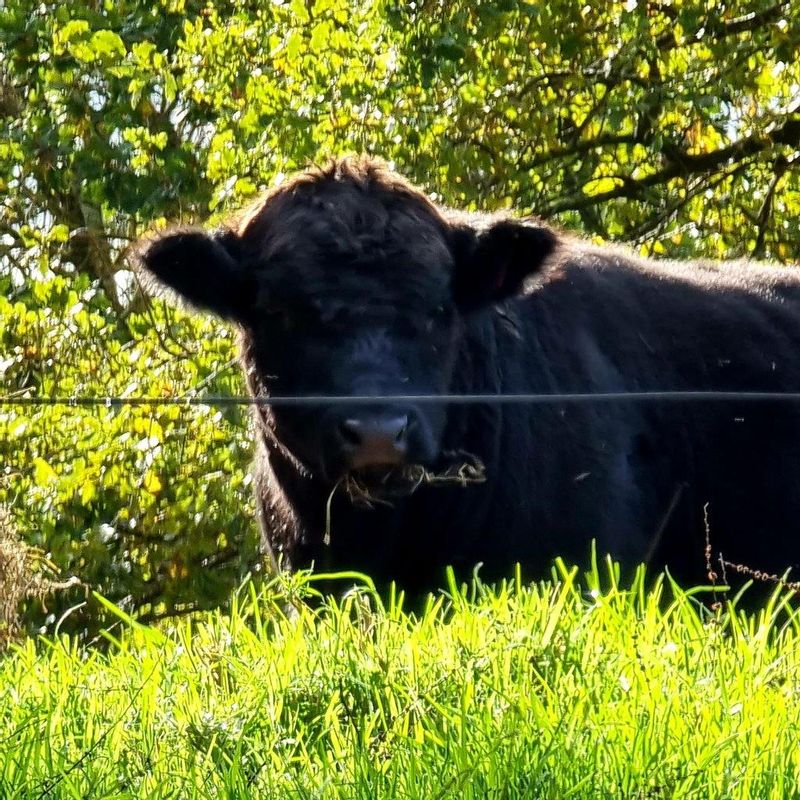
(642,233)
(682,163)
(781,165)
(747,22)
(580,147)
(721,29)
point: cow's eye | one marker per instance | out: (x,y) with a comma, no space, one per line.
(438,316)
(279,318)
(332,315)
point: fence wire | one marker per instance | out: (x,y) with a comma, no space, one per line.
(453,399)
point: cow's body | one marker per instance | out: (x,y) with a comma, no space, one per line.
(647,480)
(642,478)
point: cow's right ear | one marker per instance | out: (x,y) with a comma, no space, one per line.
(494,257)
(203,268)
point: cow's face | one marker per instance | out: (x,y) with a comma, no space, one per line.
(350,283)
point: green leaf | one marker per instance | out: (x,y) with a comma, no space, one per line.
(135,88)
(299,10)
(294,44)
(170,87)
(72,30)
(59,233)
(108,45)
(601,185)
(151,483)
(320,36)
(88,492)
(143,52)
(43,473)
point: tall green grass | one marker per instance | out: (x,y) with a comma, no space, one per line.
(544,691)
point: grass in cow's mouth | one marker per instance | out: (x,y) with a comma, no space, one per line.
(381,486)
(377,485)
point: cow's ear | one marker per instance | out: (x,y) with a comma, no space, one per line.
(493,262)
(203,268)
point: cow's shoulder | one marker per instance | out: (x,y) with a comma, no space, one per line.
(580,261)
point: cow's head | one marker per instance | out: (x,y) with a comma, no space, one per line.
(347,281)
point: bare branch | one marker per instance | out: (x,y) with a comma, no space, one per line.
(781,165)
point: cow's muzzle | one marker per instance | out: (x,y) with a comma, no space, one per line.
(374,440)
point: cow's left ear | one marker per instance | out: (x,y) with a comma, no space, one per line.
(204,268)
(492,263)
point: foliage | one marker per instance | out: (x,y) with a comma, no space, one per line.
(151,504)
(672,125)
(529,692)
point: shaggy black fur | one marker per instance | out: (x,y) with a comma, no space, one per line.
(348,281)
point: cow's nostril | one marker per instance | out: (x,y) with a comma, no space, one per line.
(351,432)
(402,431)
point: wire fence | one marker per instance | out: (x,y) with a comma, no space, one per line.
(680,396)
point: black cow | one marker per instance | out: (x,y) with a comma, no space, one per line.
(348,281)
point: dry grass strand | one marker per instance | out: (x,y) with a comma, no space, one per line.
(465,470)
(25,574)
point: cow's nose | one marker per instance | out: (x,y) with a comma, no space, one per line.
(375,441)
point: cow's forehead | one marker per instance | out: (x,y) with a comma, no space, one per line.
(345,243)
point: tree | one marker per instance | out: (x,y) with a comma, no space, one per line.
(671,125)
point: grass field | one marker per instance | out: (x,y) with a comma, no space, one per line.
(544,691)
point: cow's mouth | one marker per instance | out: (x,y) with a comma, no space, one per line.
(384,484)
